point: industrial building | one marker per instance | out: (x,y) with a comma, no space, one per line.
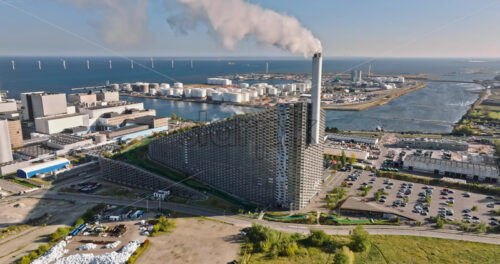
(44,168)
(359,154)
(15,134)
(113,119)
(451,168)
(41,104)
(5,145)
(86,99)
(108,96)
(64,143)
(119,107)
(59,123)
(427,143)
(8,106)
(353,139)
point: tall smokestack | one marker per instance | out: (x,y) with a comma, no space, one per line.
(316,97)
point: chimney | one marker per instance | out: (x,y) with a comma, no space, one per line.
(316,97)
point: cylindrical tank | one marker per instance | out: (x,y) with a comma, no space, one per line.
(126,87)
(114,86)
(100,138)
(164,86)
(178,85)
(244,85)
(177,92)
(187,93)
(232,97)
(272,91)
(217,97)
(209,91)
(152,91)
(198,93)
(245,96)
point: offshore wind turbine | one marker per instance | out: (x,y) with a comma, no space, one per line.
(13,63)
(172,63)
(64,64)
(88,65)
(39,65)
(110,64)
(131,64)
(152,63)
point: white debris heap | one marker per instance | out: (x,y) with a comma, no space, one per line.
(52,254)
(107,258)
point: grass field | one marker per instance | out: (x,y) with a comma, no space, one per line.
(402,249)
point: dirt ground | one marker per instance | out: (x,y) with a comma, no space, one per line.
(194,240)
(19,211)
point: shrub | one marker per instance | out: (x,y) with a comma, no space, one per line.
(59,235)
(25,260)
(474,208)
(138,252)
(360,239)
(79,222)
(343,256)
(439,222)
(317,238)
(162,225)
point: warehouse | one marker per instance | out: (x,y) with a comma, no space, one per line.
(427,143)
(451,168)
(67,142)
(353,139)
(47,167)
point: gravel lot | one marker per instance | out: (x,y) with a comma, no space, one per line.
(460,202)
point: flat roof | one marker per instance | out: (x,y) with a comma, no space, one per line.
(35,150)
(61,116)
(358,204)
(451,163)
(113,104)
(66,139)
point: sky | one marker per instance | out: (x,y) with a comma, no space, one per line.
(359,28)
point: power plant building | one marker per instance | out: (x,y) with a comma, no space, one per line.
(41,104)
(265,157)
(57,124)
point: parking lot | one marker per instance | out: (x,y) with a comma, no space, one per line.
(451,204)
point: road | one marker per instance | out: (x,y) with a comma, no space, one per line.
(286,227)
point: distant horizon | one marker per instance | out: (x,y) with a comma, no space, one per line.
(285,57)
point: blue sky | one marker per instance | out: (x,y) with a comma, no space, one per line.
(388,28)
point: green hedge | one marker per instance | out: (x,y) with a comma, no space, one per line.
(468,187)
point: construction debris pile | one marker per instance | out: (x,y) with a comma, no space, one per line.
(108,258)
(52,254)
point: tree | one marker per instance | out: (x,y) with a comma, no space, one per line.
(107,155)
(360,239)
(428,199)
(317,238)
(343,159)
(439,222)
(343,256)
(352,159)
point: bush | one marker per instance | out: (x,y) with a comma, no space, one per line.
(79,222)
(474,208)
(439,222)
(318,238)
(162,225)
(59,235)
(343,256)
(138,252)
(25,260)
(360,239)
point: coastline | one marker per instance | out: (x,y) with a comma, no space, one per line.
(349,107)
(376,102)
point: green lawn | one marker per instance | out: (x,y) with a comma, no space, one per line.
(402,249)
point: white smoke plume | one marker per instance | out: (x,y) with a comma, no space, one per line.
(234,20)
(124,22)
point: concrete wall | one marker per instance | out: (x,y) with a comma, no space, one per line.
(129,175)
(5,146)
(108,96)
(48,104)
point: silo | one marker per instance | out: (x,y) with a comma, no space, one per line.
(152,91)
(164,86)
(233,97)
(198,93)
(5,146)
(272,91)
(187,93)
(178,85)
(100,138)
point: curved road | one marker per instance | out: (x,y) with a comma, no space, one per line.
(286,227)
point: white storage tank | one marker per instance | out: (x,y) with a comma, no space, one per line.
(152,91)
(100,138)
(164,86)
(222,90)
(209,91)
(154,86)
(246,96)
(177,92)
(281,86)
(187,93)
(198,93)
(126,87)
(244,85)
(301,87)
(233,97)
(272,91)
(253,94)
(217,97)
(178,85)
(290,87)
(114,86)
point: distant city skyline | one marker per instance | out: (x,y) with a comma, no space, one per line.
(392,28)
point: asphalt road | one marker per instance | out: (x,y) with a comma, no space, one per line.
(286,227)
